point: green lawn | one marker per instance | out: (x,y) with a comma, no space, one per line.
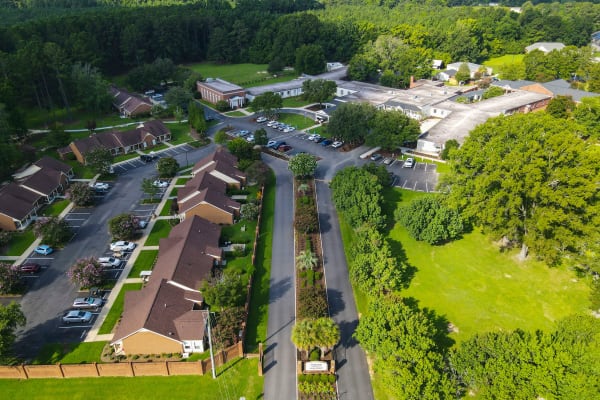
(238,378)
(124,157)
(166,210)
(181,181)
(296,120)
(54,209)
(245,75)
(180,133)
(295,102)
(480,289)
(144,262)
(160,146)
(70,353)
(116,310)
(234,233)
(19,242)
(499,63)
(161,229)
(256,331)
(235,114)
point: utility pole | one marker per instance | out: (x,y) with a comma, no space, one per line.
(212,357)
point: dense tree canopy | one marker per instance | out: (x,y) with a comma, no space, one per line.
(531,179)
(390,129)
(11,317)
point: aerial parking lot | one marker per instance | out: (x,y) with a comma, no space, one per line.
(423,177)
(128,165)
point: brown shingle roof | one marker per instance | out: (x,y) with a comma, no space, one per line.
(187,256)
(44,181)
(163,308)
(221,154)
(53,163)
(16,201)
(128,101)
(199,182)
(209,196)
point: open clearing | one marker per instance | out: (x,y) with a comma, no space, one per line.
(497,63)
(478,288)
(239,74)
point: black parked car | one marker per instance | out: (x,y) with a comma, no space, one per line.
(148,158)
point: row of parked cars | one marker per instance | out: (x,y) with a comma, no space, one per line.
(315,137)
(280,126)
(408,163)
(81,305)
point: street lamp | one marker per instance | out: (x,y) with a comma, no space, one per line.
(212,357)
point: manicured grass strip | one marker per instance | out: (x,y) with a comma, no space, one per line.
(362,302)
(19,242)
(296,120)
(180,133)
(55,208)
(259,301)
(117,308)
(480,289)
(236,379)
(160,146)
(241,74)
(144,262)
(161,229)
(174,192)
(124,157)
(70,353)
(295,102)
(182,181)
(166,210)
(235,114)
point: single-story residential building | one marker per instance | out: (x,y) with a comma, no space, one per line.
(204,196)
(447,75)
(129,104)
(558,87)
(474,69)
(545,47)
(37,184)
(18,207)
(214,90)
(223,165)
(167,315)
(146,134)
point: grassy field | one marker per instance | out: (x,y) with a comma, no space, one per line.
(54,209)
(478,288)
(241,74)
(296,120)
(235,114)
(19,242)
(499,63)
(180,133)
(70,353)
(144,262)
(166,210)
(295,102)
(160,230)
(234,233)
(117,308)
(236,379)
(259,300)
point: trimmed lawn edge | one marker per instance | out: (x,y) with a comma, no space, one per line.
(258,314)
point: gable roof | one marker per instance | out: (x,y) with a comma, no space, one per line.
(199,182)
(45,181)
(221,161)
(116,139)
(16,201)
(164,309)
(53,163)
(127,101)
(212,197)
(187,256)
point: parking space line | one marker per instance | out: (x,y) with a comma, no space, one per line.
(405,182)
(40,258)
(415,186)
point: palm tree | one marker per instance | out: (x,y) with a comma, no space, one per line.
(327,332)
(306,260)
(304,335)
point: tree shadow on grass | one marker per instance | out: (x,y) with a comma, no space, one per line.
(440,322)
(399,254)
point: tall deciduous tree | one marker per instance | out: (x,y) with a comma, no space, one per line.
(267,103)
(167,167)
(53,231)
(531,179)
(81,194)
(350,122)
(464,73)
(86,272)
(587,113)
(224,290)
(11,317)
(318,90)
(402,340)
(390,129)
(123,226)
(99,160)
(310,59)
(10,279)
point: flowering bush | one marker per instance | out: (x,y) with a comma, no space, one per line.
(80,194)
(10,280)
(86,272)
(53,231)
(123,227)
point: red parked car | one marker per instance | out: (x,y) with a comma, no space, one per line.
(30,268)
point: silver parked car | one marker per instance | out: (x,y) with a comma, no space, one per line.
(88,302)
(77,317)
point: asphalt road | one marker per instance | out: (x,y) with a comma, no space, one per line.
(354,382)
(280,353)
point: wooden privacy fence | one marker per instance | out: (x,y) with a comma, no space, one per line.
(121,369)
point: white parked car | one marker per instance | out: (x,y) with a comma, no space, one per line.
(87,302)
(289,129)
(77,317)
(100,186)
(122,245)
(160,184)
(109,261)
(250,138)
(337,144)
(409,163)
(260,120)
